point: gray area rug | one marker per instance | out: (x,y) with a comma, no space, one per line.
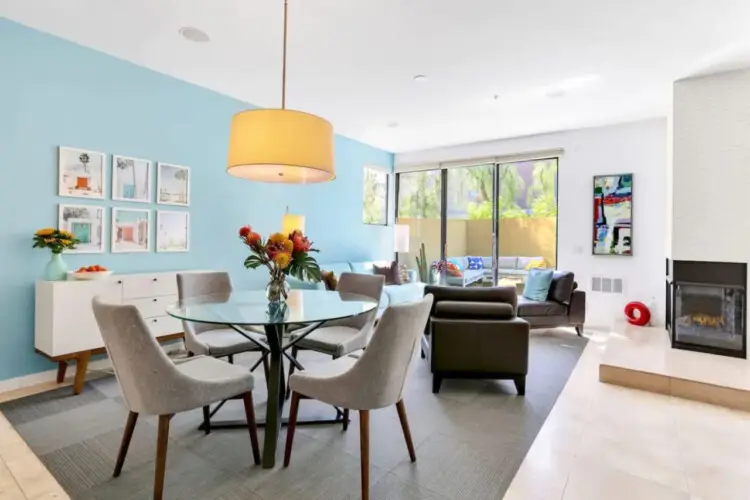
(470,440)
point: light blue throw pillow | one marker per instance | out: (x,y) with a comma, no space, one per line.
(537,284)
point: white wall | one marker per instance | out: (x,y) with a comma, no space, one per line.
(640,148)
(712,168)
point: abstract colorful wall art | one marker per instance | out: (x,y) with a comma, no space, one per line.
(613,214)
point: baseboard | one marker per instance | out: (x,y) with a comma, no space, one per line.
(48,376)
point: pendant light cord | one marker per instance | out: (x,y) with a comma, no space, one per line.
(283,70)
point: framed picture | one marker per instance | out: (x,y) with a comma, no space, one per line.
(86,222)
(173,185)
(80,173)
(613,215)
(131,179)
(131,230)
(172,231)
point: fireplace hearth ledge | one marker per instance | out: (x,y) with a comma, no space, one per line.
(642,358)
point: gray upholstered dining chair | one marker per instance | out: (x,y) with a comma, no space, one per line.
(207,339)
(340,337)
(374,380)
(152,384)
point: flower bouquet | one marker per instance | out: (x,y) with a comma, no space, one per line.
(57,241)
(283,255)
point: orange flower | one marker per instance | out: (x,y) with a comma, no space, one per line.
(245,231)
(253,239)
(288,246)
(301,244)
(282,259)
(276,239)
(45,232)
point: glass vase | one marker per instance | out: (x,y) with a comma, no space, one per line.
(277,290)
(56,269)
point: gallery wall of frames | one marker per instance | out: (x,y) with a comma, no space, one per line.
(84,174)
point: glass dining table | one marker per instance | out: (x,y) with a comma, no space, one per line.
(250,314)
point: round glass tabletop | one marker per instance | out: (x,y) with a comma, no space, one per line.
(244,307)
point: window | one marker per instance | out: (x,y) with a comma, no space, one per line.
(505,213)
(375,207)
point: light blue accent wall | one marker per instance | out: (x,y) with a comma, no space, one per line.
(53,92)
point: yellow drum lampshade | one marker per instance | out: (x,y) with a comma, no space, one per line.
(281,145)
(292,222)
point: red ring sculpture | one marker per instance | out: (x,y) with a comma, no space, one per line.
(642,317)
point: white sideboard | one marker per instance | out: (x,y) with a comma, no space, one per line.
(65,327)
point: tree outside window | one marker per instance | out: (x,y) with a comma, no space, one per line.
(375,207)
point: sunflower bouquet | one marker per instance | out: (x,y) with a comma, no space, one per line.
(55,239)
(283,255)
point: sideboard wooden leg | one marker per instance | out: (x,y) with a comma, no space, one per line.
(81,366)
(62,367)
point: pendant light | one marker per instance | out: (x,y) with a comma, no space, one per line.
(281,145)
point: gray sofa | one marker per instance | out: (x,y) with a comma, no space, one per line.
(506,266)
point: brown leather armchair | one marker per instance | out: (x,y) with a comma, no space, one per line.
(475,333)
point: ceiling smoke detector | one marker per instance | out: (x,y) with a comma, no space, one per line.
(193,34)
(420,78)
(392,124)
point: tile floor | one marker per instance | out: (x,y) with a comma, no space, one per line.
(600,442)
(607,442)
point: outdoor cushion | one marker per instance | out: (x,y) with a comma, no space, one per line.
(561,288)
(466,309)
(459,262)
(474,263)
(487,262)
(537,284)
(523,262)
(507,262)
(527,307)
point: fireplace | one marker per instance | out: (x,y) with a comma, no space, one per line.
(708,307)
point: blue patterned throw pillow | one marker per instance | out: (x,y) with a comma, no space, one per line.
(537,284)
(475,263)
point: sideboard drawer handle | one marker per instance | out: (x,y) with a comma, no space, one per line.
(119,282)
(156,300)
(154,320)
(156,279)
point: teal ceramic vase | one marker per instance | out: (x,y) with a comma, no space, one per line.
(56,270)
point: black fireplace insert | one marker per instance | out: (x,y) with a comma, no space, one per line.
(708,312)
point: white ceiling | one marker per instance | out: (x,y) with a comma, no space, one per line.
(352,61)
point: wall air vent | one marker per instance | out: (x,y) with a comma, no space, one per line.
(603,284)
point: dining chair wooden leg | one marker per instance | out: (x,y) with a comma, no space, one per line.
(295,350)
(161,455)
(364,451)
(405,427)
(207,420)
(346,419)
(247,398)
(291,426)
(125,444)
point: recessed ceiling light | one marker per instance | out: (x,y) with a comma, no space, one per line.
(420,78)
(193,34)
(393,125)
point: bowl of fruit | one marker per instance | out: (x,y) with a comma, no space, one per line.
(91,273)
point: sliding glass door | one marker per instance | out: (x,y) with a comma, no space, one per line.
(490,222)
(527,218)
(469,230)
(419,206)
